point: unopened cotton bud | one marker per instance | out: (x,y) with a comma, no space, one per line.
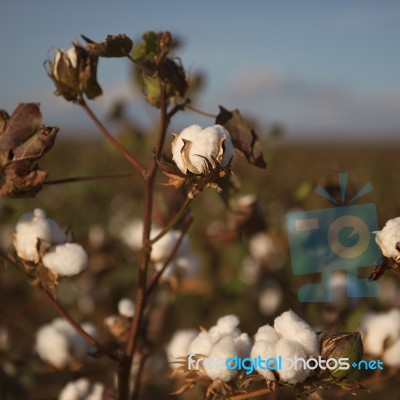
(66,259)
(126,307)
(195,147)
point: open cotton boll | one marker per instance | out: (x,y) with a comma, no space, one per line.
(243,345)
(30,228)
(201,344)
(388,237)
(377,328)
(266,249)
(289,350)
(270,298)
(53,346)
(266,333)
(265,350)
(227,325)
(66,259)
(194,145)
(223,349)
(391,357)
(75,390)
(179,344)
(292,327)
(126,307)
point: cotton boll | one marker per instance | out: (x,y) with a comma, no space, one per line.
(132,234)
(267,250)
(75,390)
(179,344)
(228,324)
(391,357)
(193,145)
(201,344)
(377,328)
(97,392)
(270,298)
(292,327)
(30,228)
(289,349)
(223,349)
(265,350)
(66,259)
(53,346)
(126,307)
(268,334)
(243,345)
(64,327)
(388,237)
(163,247)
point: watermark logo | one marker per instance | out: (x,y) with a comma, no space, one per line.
(279,363)
(331,239)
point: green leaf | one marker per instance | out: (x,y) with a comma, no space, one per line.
(243,136)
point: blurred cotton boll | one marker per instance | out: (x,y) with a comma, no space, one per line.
(270,298)
(195,146)
(60,345)
(126,307)
(249,271)
(267,250)
(82,390)
(132,234)
(379,329)
(388,238)
(97,236)
(66,259)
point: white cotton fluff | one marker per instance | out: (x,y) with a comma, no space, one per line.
(388,237)
(58,340)
(31,227)
(376,328)
(267,333)
(264,349)
(223,340)
(53,346)
(75,390)
(290,326)
(391,357)
(179,344)
(66,259)
(132,234)
(289,349)
(126,307)
(211,143)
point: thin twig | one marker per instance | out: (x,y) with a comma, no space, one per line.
(88,178)
(171,256)
(248,395)
(111,138)
(174,220)
(140,300)
(137,381)
(57,306)
(197,111)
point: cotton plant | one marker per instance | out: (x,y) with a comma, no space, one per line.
(190,162)
(381,336)
(58,343)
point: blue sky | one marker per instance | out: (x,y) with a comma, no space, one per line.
(317,66)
